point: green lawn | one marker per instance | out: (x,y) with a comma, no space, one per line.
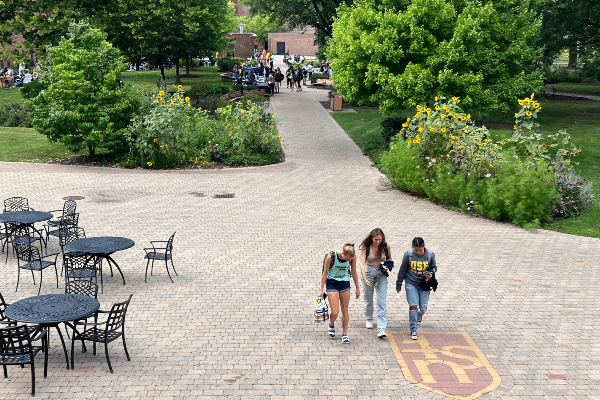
(8,95)
(584,88)
(148,79)
(26,145)
(365,129)
(581,119)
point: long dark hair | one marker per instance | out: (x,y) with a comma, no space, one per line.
(369,241)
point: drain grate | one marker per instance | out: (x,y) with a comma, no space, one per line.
(69,198)
(197,194)
(225,196)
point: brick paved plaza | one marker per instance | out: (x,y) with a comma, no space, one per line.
(237,322)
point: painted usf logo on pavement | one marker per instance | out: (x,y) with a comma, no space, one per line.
(449,364)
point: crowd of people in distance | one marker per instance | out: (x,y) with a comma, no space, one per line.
(258,71)
(9,79)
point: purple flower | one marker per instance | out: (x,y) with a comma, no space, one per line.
(515,156)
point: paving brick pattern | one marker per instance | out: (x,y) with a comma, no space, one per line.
(237,322)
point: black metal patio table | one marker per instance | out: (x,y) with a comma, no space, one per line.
(50,310)
(102,246)
(25,217)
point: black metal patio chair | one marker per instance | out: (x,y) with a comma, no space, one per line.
(4,320)
(79,266)
(103,332)
(21,234)
(16,348)
(29,258)
(160,253)
(69,207)
(68,221)
(14,204)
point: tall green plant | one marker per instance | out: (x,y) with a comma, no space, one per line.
(83,102)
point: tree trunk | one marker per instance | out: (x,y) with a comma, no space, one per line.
(162,70)
(91,150)
(177,78)
(187,66)
(572,57)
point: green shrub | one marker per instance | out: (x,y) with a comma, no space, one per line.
(315,76)
(254,98)
(16,114)
(159,135)
(209,89)
(561,74)
(210,104)
(390,127)
(226,64)
(449,160)
(30,90)
(574,195)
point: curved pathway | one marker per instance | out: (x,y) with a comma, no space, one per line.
(238,320)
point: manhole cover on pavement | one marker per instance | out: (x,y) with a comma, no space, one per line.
(224,196)
(69,198)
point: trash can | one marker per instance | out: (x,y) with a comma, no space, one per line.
(336,102)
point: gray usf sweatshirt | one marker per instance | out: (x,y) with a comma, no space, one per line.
(414,268)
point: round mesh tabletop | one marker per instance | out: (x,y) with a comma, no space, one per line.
(100,245)
(52,308)
(25,217)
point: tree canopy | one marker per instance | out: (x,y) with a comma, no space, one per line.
(83,102)
(157,30)
(401,52)
(317,13)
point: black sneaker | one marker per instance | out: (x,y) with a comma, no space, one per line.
(413,335)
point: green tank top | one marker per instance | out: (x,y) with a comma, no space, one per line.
(339,271)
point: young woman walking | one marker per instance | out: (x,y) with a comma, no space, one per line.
(336,274)
(375,250)
(418,266)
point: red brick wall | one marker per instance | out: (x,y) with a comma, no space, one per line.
(243,45)
(296,42)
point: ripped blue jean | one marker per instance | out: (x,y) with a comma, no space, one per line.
(415,296)
(376,277)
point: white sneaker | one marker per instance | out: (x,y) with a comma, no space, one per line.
(413,335)
(381,334)
(369,325)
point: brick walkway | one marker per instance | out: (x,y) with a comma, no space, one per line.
(238,320)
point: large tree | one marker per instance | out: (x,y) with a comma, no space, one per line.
(401,52)
(570,24)
(317,13)
(83,103)
(158,30)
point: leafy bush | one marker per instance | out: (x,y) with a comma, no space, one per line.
(574,194)
(168,132)
(30,90)
(451,161)
(16,114)
(315,76)
(159,135)
(226,64)
(210,104)
(209,89)
(84,103)
(560,74)
(390,127)
(254,98)
(243,88)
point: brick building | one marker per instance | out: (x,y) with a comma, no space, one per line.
(4,63)
(297,41)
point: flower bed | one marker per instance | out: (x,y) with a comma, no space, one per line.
(441,154)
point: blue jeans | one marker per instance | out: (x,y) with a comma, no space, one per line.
(376,277)
(415,296)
